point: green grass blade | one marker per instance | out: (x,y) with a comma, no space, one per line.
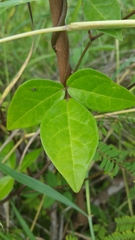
(39,187)
(2,236)
(12,3)
(23,223)
(123,66)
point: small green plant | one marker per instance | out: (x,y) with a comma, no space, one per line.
(67,113)
(68,130)
(124,229)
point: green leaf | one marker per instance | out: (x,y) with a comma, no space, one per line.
(51,179)
(6,185)
(2,235)
(103,163)
(109,166)
(31,101)
(115,170)
(3,10)
(48,202)
(12,158)
(11,3)
(23,223)
(69,136)
(39,187)
(98,92)
(96,10)
(30,158)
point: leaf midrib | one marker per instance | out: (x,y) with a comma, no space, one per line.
(70,139)
(41,102)
(82,90)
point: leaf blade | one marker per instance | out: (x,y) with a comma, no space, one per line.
(11,3)
(95,10)
(31,100)
(98,92)
(69,136)
(6,186)
(30,158)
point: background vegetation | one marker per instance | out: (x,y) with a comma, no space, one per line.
(111,198)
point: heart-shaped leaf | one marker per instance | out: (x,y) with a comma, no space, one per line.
(31,101)
(96,10)
(69,136)
(98,92)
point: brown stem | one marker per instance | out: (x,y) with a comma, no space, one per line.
(129,15)
(60,41)
(80,219)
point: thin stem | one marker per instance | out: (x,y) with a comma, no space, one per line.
(117,58)
(89,209)
(127,193)
(12,150)
(129,15)
(77,26)
(15,79)
(5,58)
(37,214)
(6,208)
(59,40)
(6,65)
(125,180)
(92,38)
(115,113)
(83,53)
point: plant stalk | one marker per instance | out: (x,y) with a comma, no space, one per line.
(77,26)
(59,40)
(89,209)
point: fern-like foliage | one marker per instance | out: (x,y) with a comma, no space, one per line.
(131,148)
(121,123)
(129,235)
(113,159)
(125,223)
(124,229)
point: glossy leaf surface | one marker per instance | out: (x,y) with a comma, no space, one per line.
(96,10)
(98,92)
(31,101)
(69,136)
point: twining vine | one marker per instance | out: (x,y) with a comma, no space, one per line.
(59,40)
